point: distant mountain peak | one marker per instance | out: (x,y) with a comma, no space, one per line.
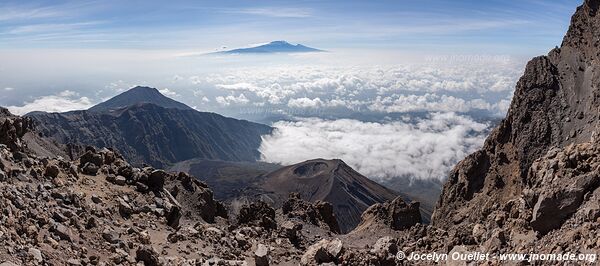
(280,46)
(279,42)
(144,88)
(138,95)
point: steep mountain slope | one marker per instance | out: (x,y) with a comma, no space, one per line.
(332,181)
(534,185)
(138,95)
(556,103)
(273,47)
(159,136)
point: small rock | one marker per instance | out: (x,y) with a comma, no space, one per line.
(52,171)
(96,199)
(141,187)
(36,254)
(124,208)
(120,180)
(63,232)
(316,254)
(156,180)
(335,248)
(91,157)
(261,255)
(90,169)
(73,262)
(110,236)
(385,248)
(148,255)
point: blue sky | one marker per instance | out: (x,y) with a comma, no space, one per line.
(511,27)
(384,56)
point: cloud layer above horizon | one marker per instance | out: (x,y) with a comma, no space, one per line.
(424,148)
(457,85)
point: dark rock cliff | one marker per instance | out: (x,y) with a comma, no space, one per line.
(556,103)
(148,133)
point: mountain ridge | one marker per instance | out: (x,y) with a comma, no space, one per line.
(272,47)
(145,132)
(137,95)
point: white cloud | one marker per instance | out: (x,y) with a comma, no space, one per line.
(62,102)
(9,89)
(447,87)
(430,102)
(305,103)
(169,93)
(423,149)
(228,100)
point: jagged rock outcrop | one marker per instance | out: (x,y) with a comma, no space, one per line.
(12,129)
(577,168)
(257,214)
(533,186)
(556,103)
(395,214)
(319,213)
(195,197)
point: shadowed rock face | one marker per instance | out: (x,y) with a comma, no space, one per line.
(556,103)
(12,129)
(148,133)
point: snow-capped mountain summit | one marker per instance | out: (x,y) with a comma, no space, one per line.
(273,47)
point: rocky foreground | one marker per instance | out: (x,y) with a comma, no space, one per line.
(99,210)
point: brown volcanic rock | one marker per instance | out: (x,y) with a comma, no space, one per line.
(12,129)
(319,213)
(395,214)
(578,168)
(257,214)
(556,103)
(195,197)
(331,181)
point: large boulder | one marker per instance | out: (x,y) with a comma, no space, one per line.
(558,183)
(395,214)
(324,251)
(319,213)
(257,214)
(156,180)
(195,197)
(148,255)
